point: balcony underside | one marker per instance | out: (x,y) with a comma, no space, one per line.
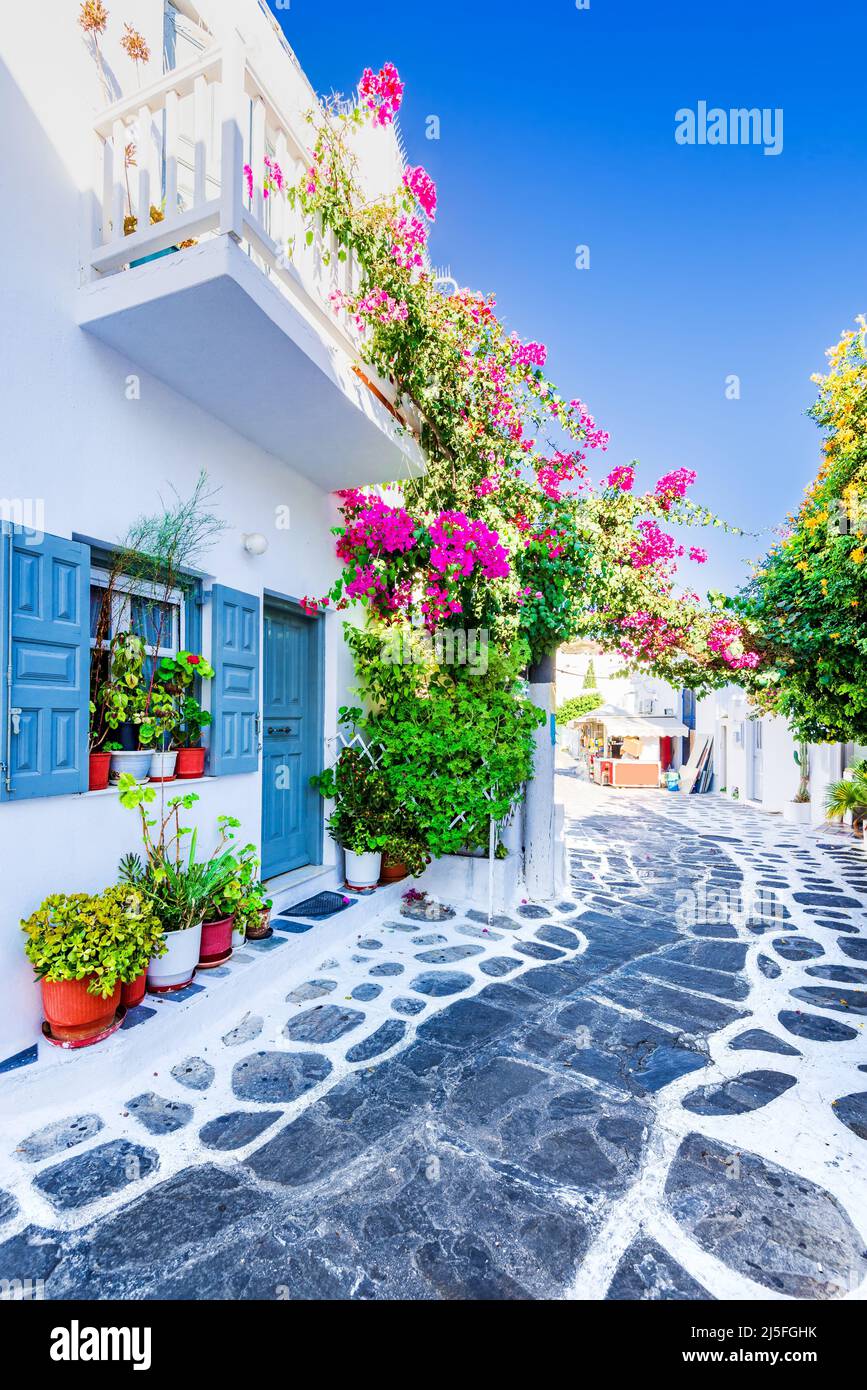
(210,323)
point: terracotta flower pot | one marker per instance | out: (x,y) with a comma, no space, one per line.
(191,762)
(132,994)
(392,870)
(72,1013)
(100,764)
(216,941)
(262,929)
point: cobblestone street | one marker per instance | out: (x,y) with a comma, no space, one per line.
(654,1089)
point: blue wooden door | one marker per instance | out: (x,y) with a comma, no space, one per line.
(291,736)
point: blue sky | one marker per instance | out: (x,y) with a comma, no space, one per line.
(557,130)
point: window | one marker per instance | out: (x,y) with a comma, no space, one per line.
(145,609)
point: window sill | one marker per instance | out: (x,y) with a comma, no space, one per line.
(182,782)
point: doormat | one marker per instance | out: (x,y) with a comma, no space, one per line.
(322,906)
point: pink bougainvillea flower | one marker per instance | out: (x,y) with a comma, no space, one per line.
(381,93)
(423,189)
(698,555)
(248,175)
(622,478)
(527,354)
(674,485)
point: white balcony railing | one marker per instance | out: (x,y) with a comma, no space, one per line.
(192,131)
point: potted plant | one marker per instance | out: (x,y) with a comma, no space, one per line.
(218,927)
(157,727)
(797,811)
(100,758)
(253,915)
(404,853)
(361,813)
(176,675)
(849,796)
(179,887)
(121,706)
(83,947)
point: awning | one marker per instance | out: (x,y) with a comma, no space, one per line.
(617,723)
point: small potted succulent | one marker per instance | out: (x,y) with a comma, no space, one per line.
(84,948)
(176,676)
(361,814)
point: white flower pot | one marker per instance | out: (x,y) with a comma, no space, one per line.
(362,870)
(138,764)
(178,966)
(797,812)
(239,936)
(162,767)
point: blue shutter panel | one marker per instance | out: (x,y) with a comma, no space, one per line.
(47,640)
(235,658)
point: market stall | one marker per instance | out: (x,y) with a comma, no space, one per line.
(626,750)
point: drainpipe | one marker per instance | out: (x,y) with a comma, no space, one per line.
(539,848)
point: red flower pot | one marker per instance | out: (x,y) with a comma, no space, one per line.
(132,994)
(99,766)
(72,1013)
(257,933)
(392,871)
(191,762)
(216,941)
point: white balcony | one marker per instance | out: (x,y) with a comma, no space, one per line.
(241,322)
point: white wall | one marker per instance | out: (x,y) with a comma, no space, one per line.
(95,459)
(725,717)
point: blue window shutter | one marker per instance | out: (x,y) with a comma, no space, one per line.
(46,656)
(236,619)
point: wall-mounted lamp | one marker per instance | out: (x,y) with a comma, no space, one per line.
(255,544)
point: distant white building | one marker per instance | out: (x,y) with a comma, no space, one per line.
(754,757)
(634,693)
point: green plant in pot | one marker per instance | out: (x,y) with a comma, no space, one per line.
(100,754)
(239,870)
(86,950)
(404,853)
(360,818)
(176,676)
(180,887)
(849,795)
(252,915)
(159,720)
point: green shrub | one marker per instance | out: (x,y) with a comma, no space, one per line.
(111,936)
(455,744)
(578,706)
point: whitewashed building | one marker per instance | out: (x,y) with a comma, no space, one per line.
(119,381)
(636,693)
(754,757)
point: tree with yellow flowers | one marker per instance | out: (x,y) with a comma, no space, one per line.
(807,601)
